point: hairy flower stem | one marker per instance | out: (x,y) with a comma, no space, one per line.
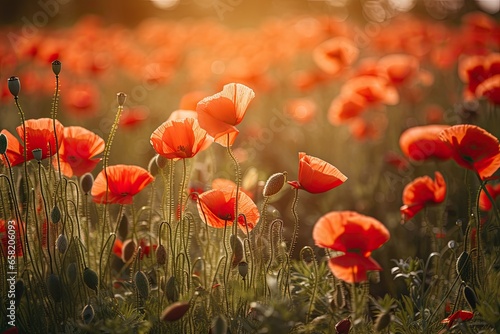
(296,222)
(237,172)
(46,216)
(316,279)
(55,102)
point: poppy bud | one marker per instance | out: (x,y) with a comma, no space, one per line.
(243,269)
(274,184)
(55,215)
(237,248)
(123,227)
(37,154)
(14,86)
(171,290)
(383,320)
(128,250)
(62,243)
(54,287)
(121,98)
(20,288)
(3,143)
(90,279)
(153,166)
(175,311)
(71,272)
(219,325)
(470,297)
(142,284)
(452,244)
(161,161)
(86,182)
(343,326)
(462,266)
(161,255)
(88,314)
(56,67)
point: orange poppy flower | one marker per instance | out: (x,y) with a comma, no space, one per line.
(81,100)
(216,209)
(220,183)
(484,202)
(317,176)
(40,133)
(373,89)
(181,114)
(131,117)
(345,107)
(78,150)
(220,113)
(422,142)
(422,191)
(355,235)
(124,182)
(473,148)
(191,99)
(459,315)
(490,88)
(179,139)
(335,55)
(302,110)
(399,68)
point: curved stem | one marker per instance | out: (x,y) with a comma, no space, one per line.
(296,222)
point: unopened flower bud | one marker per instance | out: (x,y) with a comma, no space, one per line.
(161,255)
(175,311)
(274,184)
(243,269)
(56,67)
(343,326)
(88,314)
(86,182)
(14,86)
(55,215)
(62,243)
(3,143)
(141,284)
(470,297)
(54,287)
(121,98)
(90,279)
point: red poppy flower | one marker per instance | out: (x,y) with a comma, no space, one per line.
(422,191)
(82,100)
(5,227)
(220,183)
(216,209)
(356,236)
(490,88)
(473,148)
(484,202)
(346,107)
(373,89)
(317,176)
(124,182)
(336,54)
(78,150)
(459,315)
(181,114)
(423,142)
(179,139)
(400,68)
(220,113)
(40,135)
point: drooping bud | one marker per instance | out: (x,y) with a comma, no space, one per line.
(161,255)
(237,248)
(86,182)
(3,143)
(54,287)
(274,184)
(128,250)
(56,67)
(383,320)
(14,86)
(219,325)
(175,311)
(171,290)
(463,266)
(343,326)
(88,314)
(142,284)
(62,243)
(161,161)
(55,215)
(123,227)
(90,279)
(37,154)
(153,166)
(470,297)
(72,272)
(121,98)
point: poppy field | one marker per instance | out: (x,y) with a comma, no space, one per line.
(309,174)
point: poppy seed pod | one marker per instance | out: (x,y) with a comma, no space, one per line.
(90,279)
(274,184)
(37,154)
(3,143)
(175,311)
(56,67)
(121,98)
(55,215)
(14,86)
(86,182)
(343,326)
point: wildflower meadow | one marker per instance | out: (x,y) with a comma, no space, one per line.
(313,172)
